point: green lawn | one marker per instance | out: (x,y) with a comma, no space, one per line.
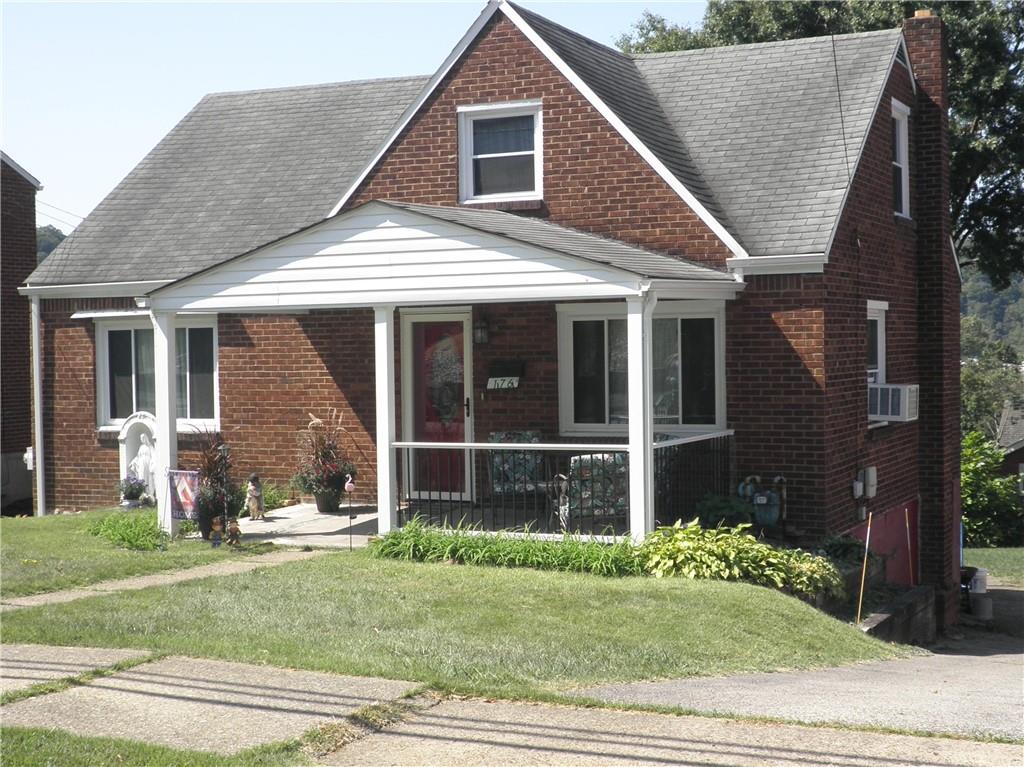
(40,554)
(468,629)
(1005,564)
(48,748)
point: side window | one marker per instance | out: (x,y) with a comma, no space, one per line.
(500,153)
(901,158)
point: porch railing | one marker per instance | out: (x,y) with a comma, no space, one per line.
(543,487)
(686,469)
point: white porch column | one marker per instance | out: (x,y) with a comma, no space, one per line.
(641,415)
(387,477)
(38,449)
(165,368)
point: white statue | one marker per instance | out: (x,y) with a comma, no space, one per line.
(142,464)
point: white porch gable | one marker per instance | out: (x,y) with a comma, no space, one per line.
(379,254)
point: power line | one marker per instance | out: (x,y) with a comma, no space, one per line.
(55,218)
(48,205)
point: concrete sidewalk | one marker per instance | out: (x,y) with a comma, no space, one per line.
(470,733)
(303,525)
(203,705)
(972,686)
(25,665)
(166,578)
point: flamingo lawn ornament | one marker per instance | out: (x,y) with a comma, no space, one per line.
(350,487)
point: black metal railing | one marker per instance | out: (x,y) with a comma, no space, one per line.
(688,469)
(544,488)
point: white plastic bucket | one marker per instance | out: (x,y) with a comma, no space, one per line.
(979,583)
(981,607)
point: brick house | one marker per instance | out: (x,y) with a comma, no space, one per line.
(650,275)
(18,190)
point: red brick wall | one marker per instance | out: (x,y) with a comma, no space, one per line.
(938,318)
(873,258)
(776,400)
(18,250)
(593,180)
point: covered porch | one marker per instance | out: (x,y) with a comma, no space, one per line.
(610,439)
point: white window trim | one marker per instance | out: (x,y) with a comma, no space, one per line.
(876,311)
(104,422)
(901,114)
(466,116)
(568,313)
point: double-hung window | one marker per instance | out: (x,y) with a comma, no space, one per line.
(500,154)
(687,368)
(876,341)
(126,372)
(901,158)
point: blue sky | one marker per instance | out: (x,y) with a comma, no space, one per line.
(88,89)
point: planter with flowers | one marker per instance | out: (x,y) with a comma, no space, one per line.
(133,492)
(324,465)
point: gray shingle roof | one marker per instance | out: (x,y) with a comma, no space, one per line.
(617,81)
(239,170)
(571,242)
(753,131)
(762,124)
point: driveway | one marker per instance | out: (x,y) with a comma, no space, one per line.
(970,686)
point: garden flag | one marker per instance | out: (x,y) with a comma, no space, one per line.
(184,489)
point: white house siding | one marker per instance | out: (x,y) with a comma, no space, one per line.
(378,255)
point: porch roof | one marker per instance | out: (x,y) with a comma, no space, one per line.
(386,252)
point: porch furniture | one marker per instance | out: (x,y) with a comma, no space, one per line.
(516,472)
(597,487)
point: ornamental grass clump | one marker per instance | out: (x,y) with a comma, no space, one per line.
(732,554)
(418,542)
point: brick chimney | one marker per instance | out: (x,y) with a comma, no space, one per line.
(938,316)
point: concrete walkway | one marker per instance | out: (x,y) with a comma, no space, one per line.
(25,665)
(203,705)
(467,733)
(231,567)
(303,525)
(972,686)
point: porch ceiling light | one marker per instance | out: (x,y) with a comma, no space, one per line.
(481,331)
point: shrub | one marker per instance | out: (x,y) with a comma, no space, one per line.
(844,549)
(731,554)
(726,511)
(421,543)
(131,530)
(993,511)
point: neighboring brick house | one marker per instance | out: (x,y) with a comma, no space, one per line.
(18,190)
(665,271)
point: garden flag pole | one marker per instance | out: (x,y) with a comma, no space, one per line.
(864,568)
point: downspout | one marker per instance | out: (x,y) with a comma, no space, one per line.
(37,409)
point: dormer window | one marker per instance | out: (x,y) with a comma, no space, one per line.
(500,152)
(901,158)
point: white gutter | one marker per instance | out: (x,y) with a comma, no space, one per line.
(37,409)
(93,289)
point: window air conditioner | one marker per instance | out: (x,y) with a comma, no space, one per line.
(893,402)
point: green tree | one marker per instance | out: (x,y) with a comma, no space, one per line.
(986,80)
(993,511)
(47,238)
(1001,311)
(989,375)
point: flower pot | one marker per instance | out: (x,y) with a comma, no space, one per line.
(327,502)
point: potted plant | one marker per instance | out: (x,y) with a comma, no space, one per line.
(132,490)
(217,496)
(323,462)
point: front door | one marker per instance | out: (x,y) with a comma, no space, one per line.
(436,384)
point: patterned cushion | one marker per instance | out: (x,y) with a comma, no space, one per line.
(515,471)
(598,485)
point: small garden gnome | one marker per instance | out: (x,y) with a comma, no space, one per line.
(254,498)
(216,532)
(234,532)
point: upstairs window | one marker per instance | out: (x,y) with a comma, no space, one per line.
(901,158)
(500,152)
(126,372)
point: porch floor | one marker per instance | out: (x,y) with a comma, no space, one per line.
(303,525)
